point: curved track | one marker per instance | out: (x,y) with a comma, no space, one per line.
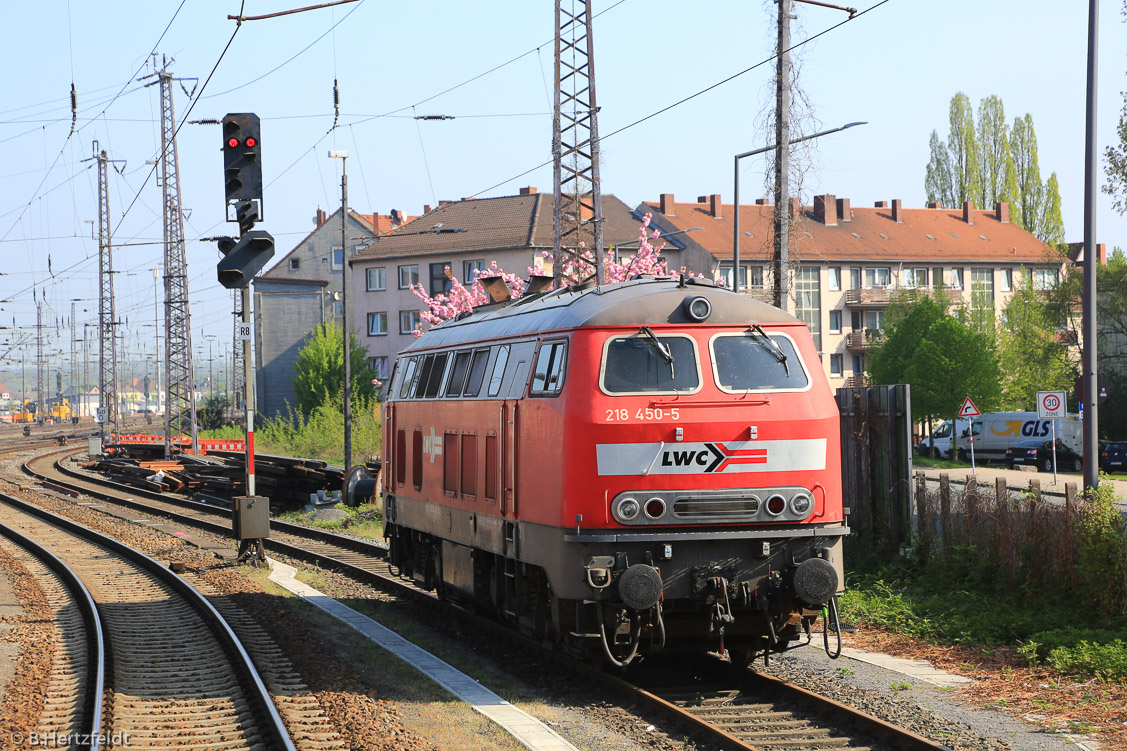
(73,705)
(180,677)
(736,708)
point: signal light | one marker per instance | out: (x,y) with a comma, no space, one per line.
(251,142)
(232,142)
(242,159)
(245,259)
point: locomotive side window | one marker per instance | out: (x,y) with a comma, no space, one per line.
(469,464)
(408,377)
(417,459)
(423,377)
(755,361)
(477,373)
(547,377)
(645,363)
(458,374)
(450,462)
(491,467)
(438,369)
(498,370)
(400,457)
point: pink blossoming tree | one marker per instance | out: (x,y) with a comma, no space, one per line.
(460,298)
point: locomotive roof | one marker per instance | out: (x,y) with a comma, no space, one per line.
(638,302)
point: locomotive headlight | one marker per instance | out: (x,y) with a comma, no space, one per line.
(698,308)
(801,504)
(628,509)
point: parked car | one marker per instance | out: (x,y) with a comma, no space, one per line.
(1039,453)
(1113,457)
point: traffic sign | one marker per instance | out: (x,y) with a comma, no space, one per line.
(968,409)
(1050,405)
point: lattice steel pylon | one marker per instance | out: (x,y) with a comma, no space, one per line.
(40,364)
(180,383)
(577,208)
(107,317)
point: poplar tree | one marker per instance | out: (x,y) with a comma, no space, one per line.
(962,145)
(998,175)
(937,183)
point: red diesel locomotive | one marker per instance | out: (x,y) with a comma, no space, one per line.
(647,465)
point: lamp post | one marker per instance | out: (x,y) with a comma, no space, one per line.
(736,191)
(343,156)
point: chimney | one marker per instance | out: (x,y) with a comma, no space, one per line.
(1002,211)
(666,204)
(880,205)
(396,218)
(529,191)
(426,208)
(714,205)
(320,218)
(762,202)
(825,210)
(844,213)
(935,204)
(968,208)
(1101,254)
(896,211)
(795,207)
(702,199)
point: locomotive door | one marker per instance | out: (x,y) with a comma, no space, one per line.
(510,429)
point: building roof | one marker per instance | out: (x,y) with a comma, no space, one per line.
(375,224)
(833,230)
(490,224)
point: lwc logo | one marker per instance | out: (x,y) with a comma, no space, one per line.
(713,457)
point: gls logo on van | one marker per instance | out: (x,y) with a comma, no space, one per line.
(1029,429)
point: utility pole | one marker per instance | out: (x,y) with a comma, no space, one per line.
(1088,376)
(107,317)
(343,156)
(180,404)
(782,158)
(40,363)
(237,383)
(576,193)
(73,342)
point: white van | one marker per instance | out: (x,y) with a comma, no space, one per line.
(994,432)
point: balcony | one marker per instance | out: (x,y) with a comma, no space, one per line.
(864,339)
(855,382)
(881,298)
(762,294)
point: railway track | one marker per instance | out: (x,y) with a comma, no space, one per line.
(738,709)
(178,676)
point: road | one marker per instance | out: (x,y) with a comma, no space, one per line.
(1018,479)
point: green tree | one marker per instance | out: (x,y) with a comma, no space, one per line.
(937,182)
(212,412)
(906,324)
(998,174)
(320,369)
(1031,354)
(1051,225)
(962,145)
(1027,201)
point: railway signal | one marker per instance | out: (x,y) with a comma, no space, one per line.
(244,258)
(242,167)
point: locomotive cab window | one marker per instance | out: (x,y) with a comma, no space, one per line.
(458,374)
(408,381)
(646,363)
(498,370)
(547,378)
(756,361)
(477,373)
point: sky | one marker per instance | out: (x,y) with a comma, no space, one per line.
(896,66)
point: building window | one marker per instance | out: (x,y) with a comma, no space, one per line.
(982,287)
(836,365)
(874,321)
(809,305)
(915,278)
(956,278)
(338,258)
(408,321)
(1044,278)
(440,282)
(379,365)
(835,321)
(877,278)
(855,277)
(408,275)
(471,270)
(1005,280)
(376,279)
(377,324)
(295,264)
(338,308)
(754,277)
(834,283)
(727,278)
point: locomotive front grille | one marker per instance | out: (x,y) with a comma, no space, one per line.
(716,509)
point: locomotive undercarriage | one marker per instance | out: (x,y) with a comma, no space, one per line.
(710,595)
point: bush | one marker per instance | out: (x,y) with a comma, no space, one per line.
(1101,653)
(1099,530)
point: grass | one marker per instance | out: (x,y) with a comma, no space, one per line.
(365,520)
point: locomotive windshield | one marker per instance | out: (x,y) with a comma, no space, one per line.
(647,363)
(746,362)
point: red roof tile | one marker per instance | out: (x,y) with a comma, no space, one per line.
(870,234)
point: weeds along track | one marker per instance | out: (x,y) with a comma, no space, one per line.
(735,708)
(177,676)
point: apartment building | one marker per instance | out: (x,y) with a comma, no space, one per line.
(467,236)
(849,263)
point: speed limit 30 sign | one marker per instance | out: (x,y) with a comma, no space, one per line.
(1050,405)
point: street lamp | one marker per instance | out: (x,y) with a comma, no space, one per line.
(736,191)
(343,157)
